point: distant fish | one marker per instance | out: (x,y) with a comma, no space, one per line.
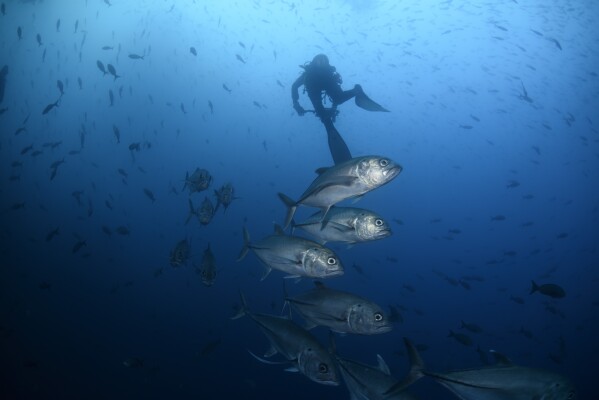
(559,46)
(134,56)
(51,234)
(193,51)
(117,133)
(498,218)
(78,246)
(58,25)
(60,86)
(38,37)
(50,106)
(211,107)
(111,97)
(226,88)
(149,194)
(240,58)
(107,47)
(19,32)
(548,289)
(101,66)
(112,71)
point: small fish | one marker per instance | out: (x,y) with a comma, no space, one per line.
(132,362)
(19,32)
(26,149)
(211,107)
(39,39)
(58,25)
(117,133)
(49,107)
(461,338)
(101,66)
(107,47)
(193,51)
(512,184)
(207,269)
(60,87)
(149,194)
(183,108)
(226,88)
(498,218)
(78,246)
(548,289)
(112,71)
(76,26)
(52,234)
(559,46)
(80,83)
(466,126)
(237,56)
(134,56)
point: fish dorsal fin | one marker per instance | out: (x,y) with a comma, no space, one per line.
(382,365)
(319,285)
(279,230)
(322,170)
(501,359)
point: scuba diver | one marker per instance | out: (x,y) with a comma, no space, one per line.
(321,80)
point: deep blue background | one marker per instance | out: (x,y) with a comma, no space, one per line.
(451,74)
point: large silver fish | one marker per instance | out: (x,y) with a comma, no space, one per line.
(297,256)
(340,311)
(351,178)
(504,381)
(346,225)
(369,383)
(296,345)
(207,269)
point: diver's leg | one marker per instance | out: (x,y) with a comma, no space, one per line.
(339,149)
(340,96)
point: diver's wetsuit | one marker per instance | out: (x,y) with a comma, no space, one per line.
(319,79)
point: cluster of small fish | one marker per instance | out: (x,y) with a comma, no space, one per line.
(199,181)
(337,310)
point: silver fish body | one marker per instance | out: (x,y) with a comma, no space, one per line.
(351,178)
(297,256)
(296,345)
(346,225)
(340,311)
(502,381)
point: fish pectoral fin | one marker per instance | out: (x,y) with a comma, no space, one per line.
(292,369)
(309,325)
(340,227)
(335,181)
(262,360)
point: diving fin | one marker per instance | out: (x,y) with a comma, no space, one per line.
(366,102)
(337,145)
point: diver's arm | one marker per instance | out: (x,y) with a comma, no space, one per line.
(295,95)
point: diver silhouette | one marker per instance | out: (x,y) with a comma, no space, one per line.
(320,79)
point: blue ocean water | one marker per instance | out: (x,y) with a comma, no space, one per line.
(491,118)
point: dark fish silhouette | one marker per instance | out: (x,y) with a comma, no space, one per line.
(39,39)
(239,58)
(60,86)
(101,66)
(112,71)
(134,56)
(49,107)
(19,32)
(193,51)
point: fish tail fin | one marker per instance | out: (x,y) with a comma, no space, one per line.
(416,370)
(243,309)
(291,207)
(246,244)
(534,287)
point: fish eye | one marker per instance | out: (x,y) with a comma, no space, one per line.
(378,222)
(331,261)
(384,162)
(323,368)
(378,317)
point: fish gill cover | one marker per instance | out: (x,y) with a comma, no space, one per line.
(139,141)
